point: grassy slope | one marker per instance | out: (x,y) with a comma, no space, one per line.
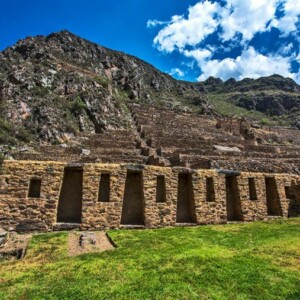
(248,261)
(223,104)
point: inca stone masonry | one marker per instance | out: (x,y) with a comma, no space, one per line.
(45,196)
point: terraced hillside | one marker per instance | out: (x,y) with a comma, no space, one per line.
(165,137)
(67,99)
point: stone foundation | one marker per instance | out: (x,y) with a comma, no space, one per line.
(22,209)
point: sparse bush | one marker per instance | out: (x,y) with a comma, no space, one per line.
(40,91)
(71,128)
(265,122)
(102,80)
(122,95)
(78,105)
(10,134)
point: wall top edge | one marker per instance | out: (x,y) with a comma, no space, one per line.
(141,167)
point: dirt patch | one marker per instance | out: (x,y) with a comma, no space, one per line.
(15,246)
(88,242)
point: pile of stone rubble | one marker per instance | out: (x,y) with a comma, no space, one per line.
(12,245)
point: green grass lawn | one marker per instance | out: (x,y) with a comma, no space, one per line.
(240,261)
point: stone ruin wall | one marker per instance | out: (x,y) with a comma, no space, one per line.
(236,127)
(23,213)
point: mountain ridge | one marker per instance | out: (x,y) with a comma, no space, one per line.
(62,76)
(276,97)
(55,87)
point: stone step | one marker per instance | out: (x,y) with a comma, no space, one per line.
(132,226)
(66,226)
(235,222)
(185,224)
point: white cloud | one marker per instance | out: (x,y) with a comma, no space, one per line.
(190,64)
(188,31)
(234,25)
(236,17)
(286,49)
(246,17)
(249,64)
(200,55)
(287,24)
(176,72)
(154,23)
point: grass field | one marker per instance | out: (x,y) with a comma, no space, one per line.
(238,261)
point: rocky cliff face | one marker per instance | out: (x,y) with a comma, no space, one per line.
(56,87)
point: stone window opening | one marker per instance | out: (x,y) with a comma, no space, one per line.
(104,188)
(35,188)
(289,192)
(210,190)
(252,189)
(160,189)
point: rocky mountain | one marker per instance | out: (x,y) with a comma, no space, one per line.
(56,87)
(273,95)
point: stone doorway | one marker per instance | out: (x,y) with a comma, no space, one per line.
(133,201)
(233,199)
(185,200)
(70,199)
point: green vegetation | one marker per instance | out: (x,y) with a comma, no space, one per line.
(222,105)
(10,133)
(78,105)
(1,159)
(56,107)
(40,91)
(121,95)
(102,80)
(265,122)
(120,99)
(226,105)
(121,104)
(239,261)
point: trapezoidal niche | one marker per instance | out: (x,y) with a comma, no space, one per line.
(104,188)
(160,189)
(272,197)
(133,201)
(185,200)
(233,199)
(70,199)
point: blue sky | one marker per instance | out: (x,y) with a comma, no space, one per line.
(191,40)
